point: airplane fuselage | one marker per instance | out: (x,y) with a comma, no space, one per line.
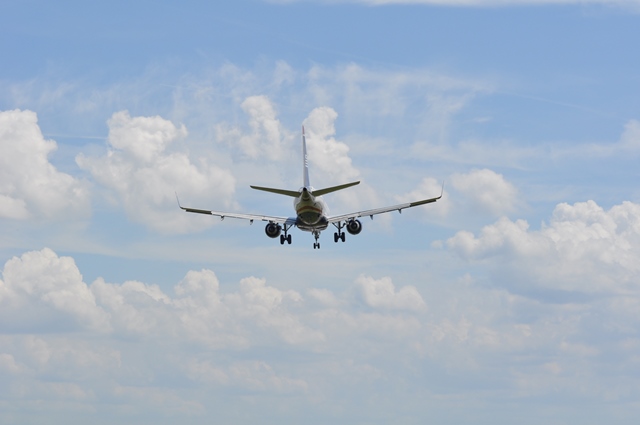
(310,211)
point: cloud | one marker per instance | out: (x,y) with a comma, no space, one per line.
(327,155)
(41,277)
(382,294)
(330,163)
(627,146)
(30,186)
(486,191)
(430,188)
(267,139)
(583,248)
(204,347)
(143,174)
(384,99)
(508,153)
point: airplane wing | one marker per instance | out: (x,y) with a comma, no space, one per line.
(372,212)
(250,217)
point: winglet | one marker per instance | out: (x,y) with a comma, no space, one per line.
(178,201)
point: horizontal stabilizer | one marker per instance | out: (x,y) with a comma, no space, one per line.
(321,192)
(292,193)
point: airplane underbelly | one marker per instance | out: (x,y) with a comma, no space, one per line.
(309,217)
(318,225)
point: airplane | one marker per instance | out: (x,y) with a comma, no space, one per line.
(310,210)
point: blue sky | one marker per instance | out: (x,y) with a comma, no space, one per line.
(514,299)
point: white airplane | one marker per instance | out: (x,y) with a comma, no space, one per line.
(310,210)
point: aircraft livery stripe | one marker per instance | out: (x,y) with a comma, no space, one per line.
(308,208)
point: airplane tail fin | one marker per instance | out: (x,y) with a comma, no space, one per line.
(305,176)
(305,163)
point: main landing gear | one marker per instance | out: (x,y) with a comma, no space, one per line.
(286,237)
(339,235)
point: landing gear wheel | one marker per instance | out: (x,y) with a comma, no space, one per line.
(288,238)
(282,240)
(342,236)
(316,245)
(336,237)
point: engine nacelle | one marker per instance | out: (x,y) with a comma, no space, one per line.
(273,230)
(354,227)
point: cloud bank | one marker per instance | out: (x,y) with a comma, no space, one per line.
(528,329)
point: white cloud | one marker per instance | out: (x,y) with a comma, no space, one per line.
(30,186)
(584,248)
(382,293)
(628,146)
(268,139)
(327,155)
(330,163)
(142,138)
(144,175)
(430,188)
(41,277)
(486,191)
(177,352)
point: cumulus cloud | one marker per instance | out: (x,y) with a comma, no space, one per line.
(30,186)
(382,293)
(583,248)
(326,154)
(267,138)
(143,174)
(330,163)
(486,191)
(56,283)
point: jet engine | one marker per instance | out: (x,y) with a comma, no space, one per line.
(354,227)
(273,230)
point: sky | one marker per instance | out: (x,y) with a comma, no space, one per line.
(513,299)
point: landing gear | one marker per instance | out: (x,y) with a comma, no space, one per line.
(339,235)
(286,237)
(316,244)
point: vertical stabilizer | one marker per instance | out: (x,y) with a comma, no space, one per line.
(305,161)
